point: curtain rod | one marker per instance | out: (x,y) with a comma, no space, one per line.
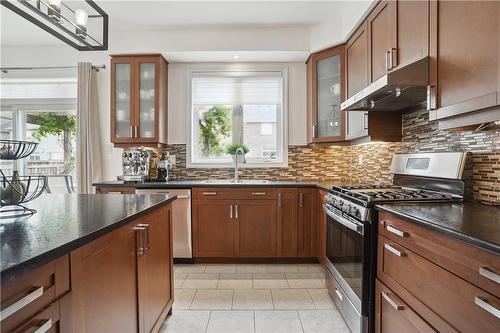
(7,69)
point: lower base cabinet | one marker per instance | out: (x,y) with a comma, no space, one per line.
(123,281)
(394,316)
(429,282)
(255,223)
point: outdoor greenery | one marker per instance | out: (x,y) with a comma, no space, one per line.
(215,124)
(231,149)
(63,126)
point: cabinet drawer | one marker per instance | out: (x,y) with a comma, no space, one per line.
(461,304)
(45,321)
(261,193)
(479,267)
(24,297)
(392,315)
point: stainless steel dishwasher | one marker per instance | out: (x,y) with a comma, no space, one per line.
(181,220)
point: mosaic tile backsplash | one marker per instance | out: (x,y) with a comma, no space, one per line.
(369,163)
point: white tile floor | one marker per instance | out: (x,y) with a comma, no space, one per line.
(251,298)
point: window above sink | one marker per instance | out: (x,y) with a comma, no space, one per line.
(234,106)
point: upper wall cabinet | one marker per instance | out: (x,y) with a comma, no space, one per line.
(398,34)
(465,62)
(356,79)
(381,39)
(138,100)
(325,74)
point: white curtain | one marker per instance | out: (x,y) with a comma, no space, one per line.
(88,135)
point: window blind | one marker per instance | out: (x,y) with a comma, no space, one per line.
(237,88)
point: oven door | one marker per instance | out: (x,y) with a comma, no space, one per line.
(348,260)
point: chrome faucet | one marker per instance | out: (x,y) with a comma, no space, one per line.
(241,152)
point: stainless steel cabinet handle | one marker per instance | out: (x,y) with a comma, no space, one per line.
(301,200)
(183,197)
(394,60)
(394,251)
(45,327)
(258,194)
(146,247)
(339,294)
(431,98)
(280,200)
(21,303)
(136,131)
(231,211)
(140,231)
(365,121)
(396,231)
(387,60)
(483,304)
(391,302)
(489,274)
(236,213)
(209,193)
(131,131)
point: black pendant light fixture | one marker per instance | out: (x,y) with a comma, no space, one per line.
(82,24)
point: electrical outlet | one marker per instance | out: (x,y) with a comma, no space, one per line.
(360,159)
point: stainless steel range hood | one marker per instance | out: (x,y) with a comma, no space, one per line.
(397,90)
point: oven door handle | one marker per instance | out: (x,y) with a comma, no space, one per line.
(358,227)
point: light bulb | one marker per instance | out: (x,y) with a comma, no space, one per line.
(54,10)
(55,3)
(81,17)
(81,23)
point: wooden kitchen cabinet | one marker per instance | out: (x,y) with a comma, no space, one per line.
(287,222)
(214,228)
(155,271)
(122,282)
(465,62)
(356,79)
(398,34)
(446,283)
(257,223)
(255,228)
(381,25)
(325,84)
(412,32)
(37,290)
(394,316)
(307,228)
(138,100)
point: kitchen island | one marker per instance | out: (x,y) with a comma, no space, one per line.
(88,263)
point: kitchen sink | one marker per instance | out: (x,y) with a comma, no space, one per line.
(232,181)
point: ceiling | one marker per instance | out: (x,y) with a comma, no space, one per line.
(169,16)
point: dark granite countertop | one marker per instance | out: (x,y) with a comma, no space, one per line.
(472,222)
(326,186)
(64,222)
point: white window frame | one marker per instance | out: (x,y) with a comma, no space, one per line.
(281,130)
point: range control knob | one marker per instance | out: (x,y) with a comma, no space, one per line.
(354,211)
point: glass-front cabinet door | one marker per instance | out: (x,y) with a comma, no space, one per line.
(122,100)
(147,101)
(327,94)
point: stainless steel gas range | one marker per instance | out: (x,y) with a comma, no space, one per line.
(351,225)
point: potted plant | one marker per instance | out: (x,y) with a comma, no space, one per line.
(232,149)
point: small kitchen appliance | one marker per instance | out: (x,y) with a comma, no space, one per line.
(351,225)
(135,164)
